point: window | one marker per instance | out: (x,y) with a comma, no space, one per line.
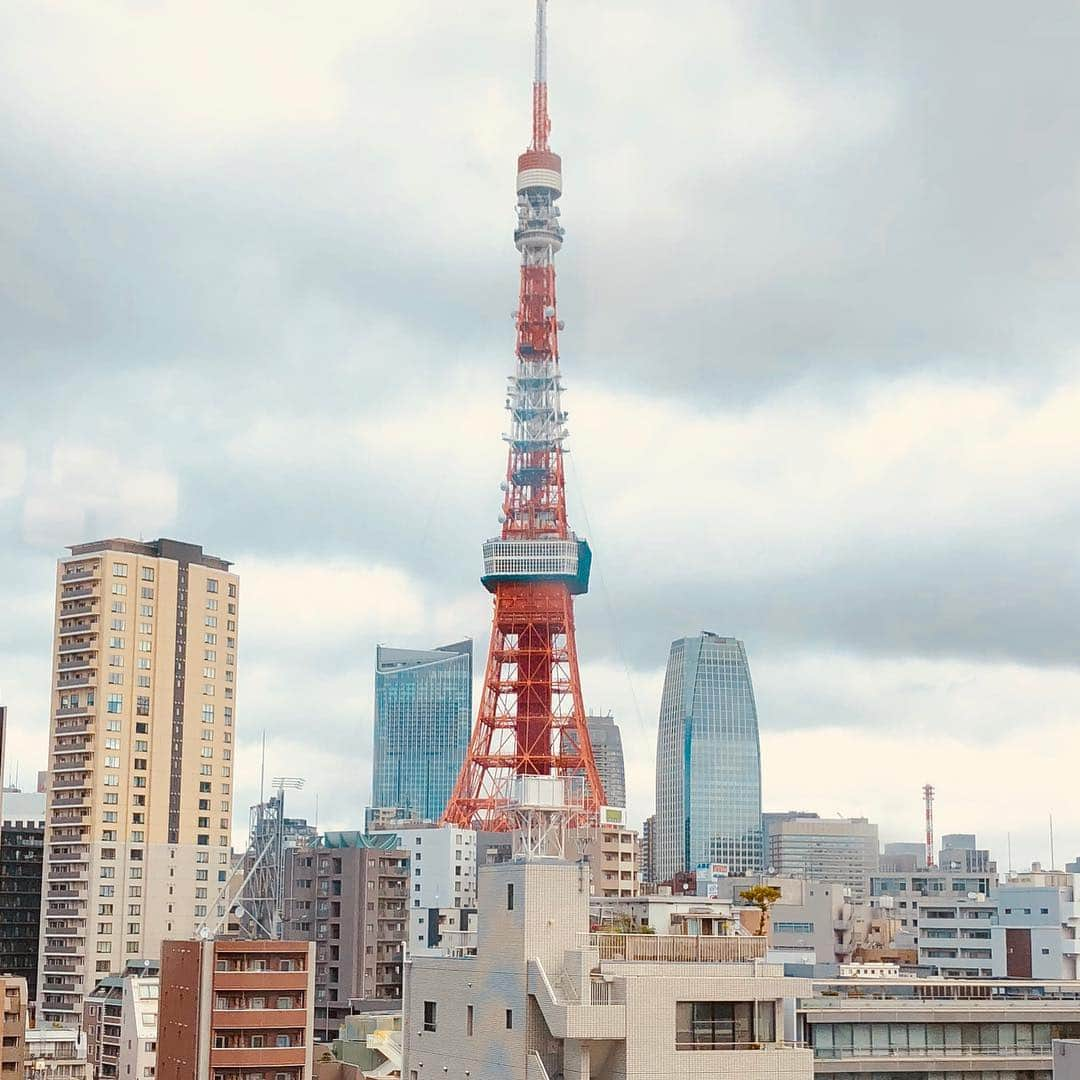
(468,1019)
(148,573)
(115,703)
(510,897)
(430,1009)
(723,1025)
(146,593)
(509,1019)
(211,585)
(793,927)
(119,569)
(146,611)
(119,588)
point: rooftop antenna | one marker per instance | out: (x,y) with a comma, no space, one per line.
(1053,865)
(928,798)
(262,770)
(1008,842)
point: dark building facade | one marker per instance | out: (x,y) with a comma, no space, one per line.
(22,839)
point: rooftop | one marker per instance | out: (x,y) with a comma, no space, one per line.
(177,550)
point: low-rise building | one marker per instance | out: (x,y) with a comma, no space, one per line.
(874,1027)
(12,1027)
(613,852)
(542,997)
(350,894)
(54,1053)
(441,881)
(844,850)
(138,1028)
(232,1010)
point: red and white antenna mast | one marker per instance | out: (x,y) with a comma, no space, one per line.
(531,720)
(928,799)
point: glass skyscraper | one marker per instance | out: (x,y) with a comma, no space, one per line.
(423,717)
(708,760)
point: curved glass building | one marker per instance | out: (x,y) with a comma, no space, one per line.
(708,760)
(423,718)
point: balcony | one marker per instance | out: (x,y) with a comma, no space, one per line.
(266,1057)
(688,949)
(257,981)
(84,626)
(83,573)
(82,678)
(66,647)
(77,594)
(256,1019)
(65,783)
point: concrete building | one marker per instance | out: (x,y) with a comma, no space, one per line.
(232,1010)
(441,881)
(1022,931)
(104,1017)
(613,852)
(13,1027)
(606,741)
(902,857)
(423,718)
(542,997)
(959,853)
(843,850)
(139,809)
(871,1028)
(904,893)
(349,895)
(1066,1057)
(22,840)
(56,1054)
(708,760)
(139,1028)
(664,914)
(648,850)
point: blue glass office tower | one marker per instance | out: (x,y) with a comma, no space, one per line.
(423,717)
(708,760)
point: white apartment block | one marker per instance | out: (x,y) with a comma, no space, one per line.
(613,852)
(139,1028)
(139,802)
(542,998)
(56,1054)
(442,882)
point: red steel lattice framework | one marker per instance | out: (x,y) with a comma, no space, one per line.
(531,720)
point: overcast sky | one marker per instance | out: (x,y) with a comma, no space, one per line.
(820,287)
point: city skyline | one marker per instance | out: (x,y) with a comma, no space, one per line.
(906,588)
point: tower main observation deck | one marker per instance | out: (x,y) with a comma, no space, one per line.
(531,720)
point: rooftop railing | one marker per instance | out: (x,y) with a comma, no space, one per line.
(678,949)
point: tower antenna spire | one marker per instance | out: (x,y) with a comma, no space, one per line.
(541,121)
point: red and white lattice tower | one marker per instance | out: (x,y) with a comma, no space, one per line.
(531,720)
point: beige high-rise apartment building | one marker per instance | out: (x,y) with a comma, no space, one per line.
(139,801)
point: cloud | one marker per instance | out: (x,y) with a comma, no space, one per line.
(87,490)
(12,469)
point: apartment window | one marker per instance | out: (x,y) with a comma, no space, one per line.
(723,1025)
(119,588)
(148,573)
(142,745)
(232,590)
(209,639)
(207,734)
(430,1009)
(119,569)
(209,673)
(201,875)
(211,621)
(210,654)
(211,605)
(283,1040)
(510,897)
(206,770)
(228,714)
(145,646)
(112,725)
(140,763)
(104,946)
(112,744)
(107,890)
(143,664)
(142,705)
(793,927)
(112,762)
(142,682)
(146,628)
(468,1019)
(207,751)
(115,702)
(146,611)
(509,1019)
(116,624)
(119,607)
(112,780)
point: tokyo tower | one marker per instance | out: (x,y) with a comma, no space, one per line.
(531,720)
